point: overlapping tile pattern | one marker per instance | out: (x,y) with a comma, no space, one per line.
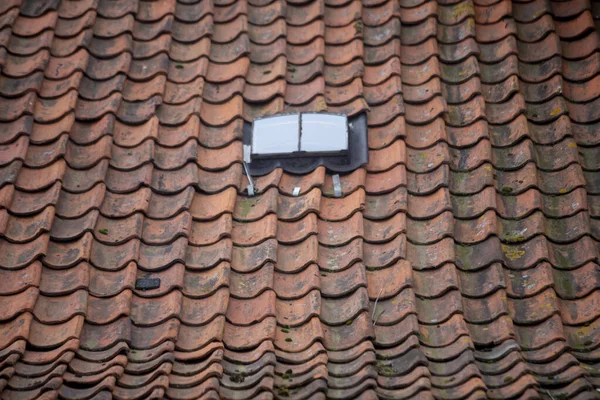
(461,262)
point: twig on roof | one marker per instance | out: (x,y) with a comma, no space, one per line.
(375,306)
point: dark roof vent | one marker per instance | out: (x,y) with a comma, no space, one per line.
(299,143)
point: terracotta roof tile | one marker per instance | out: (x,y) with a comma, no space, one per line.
(460,262)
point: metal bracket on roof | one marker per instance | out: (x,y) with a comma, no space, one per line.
(337,186)
(247,158)
(296,191)
(247,153)
(250,182)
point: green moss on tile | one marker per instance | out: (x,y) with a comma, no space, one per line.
(513,238)
(91,342)
(237,378)
(287,375)
(464,255)
(566,288)
(562,260)
(358,27)
(384,369)
(512,253)
(282,391)
(244,206)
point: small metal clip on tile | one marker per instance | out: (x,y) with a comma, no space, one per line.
(337,186)
(296,191)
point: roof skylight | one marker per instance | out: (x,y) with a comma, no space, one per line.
(298,143)
(324,133)
(276,135)
(300,135)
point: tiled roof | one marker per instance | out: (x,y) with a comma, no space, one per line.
(461,262)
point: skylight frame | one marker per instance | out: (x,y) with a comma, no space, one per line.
(356,156)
